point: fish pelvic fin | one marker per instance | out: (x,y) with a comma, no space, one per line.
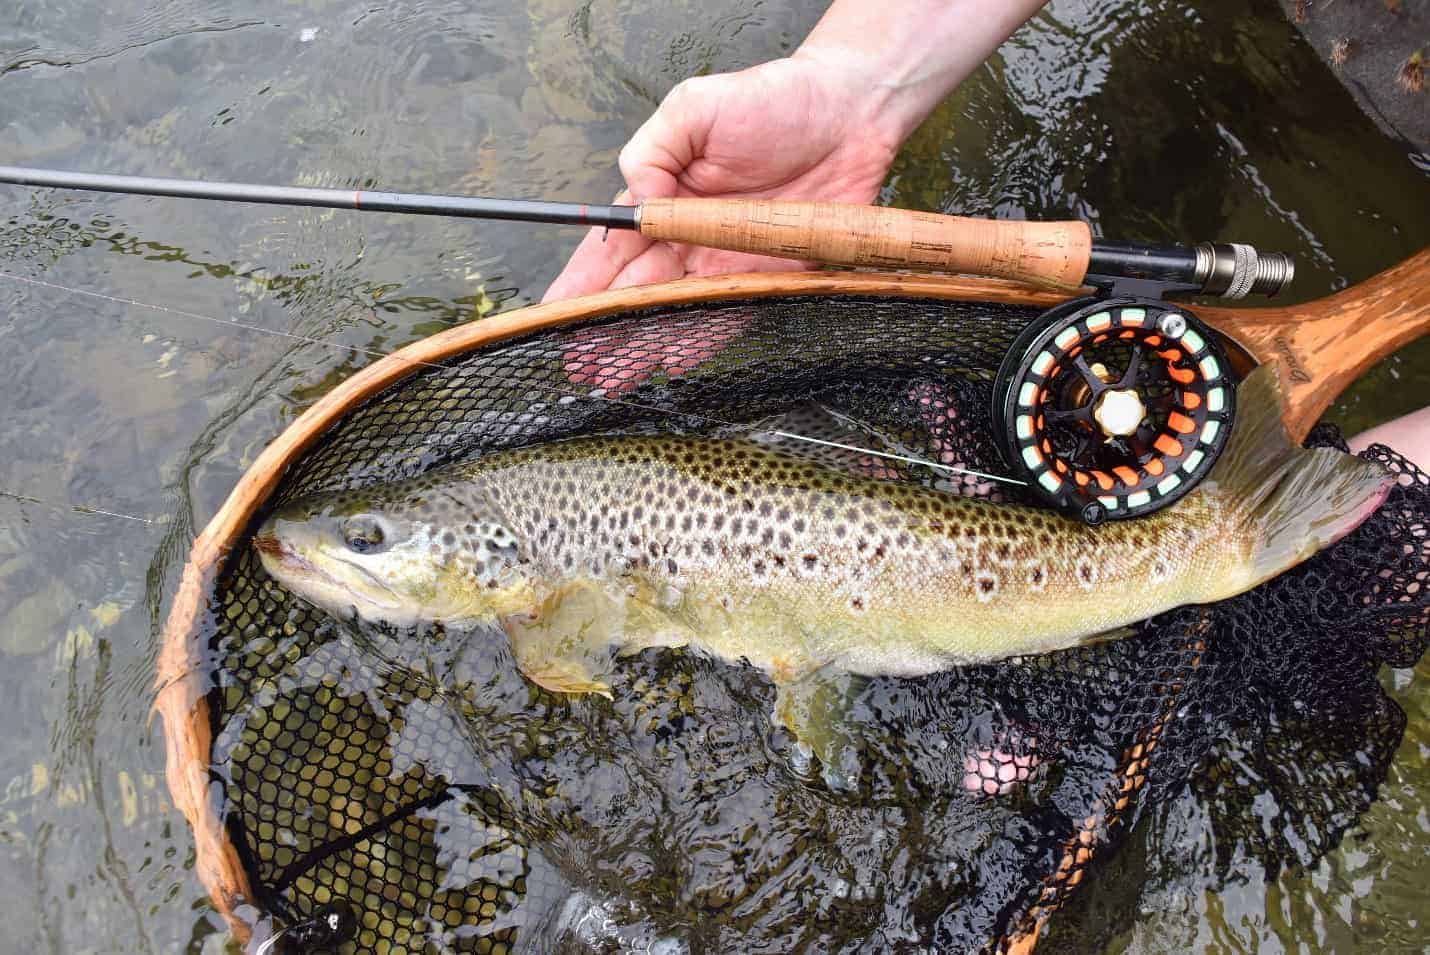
(1293,501)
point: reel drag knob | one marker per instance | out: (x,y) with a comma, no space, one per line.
(1113,408)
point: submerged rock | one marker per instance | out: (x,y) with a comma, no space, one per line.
(1379,51)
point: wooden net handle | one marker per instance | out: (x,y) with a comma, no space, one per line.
(1322,346)
(1048,254)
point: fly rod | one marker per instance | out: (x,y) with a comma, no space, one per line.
(1061,255)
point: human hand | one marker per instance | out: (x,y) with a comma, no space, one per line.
(794,128)
(822,124)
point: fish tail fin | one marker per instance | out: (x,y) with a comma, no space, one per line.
(1293,500)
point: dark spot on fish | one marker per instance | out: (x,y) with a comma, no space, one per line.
(986,584)
(810,561)
(1037,576)
(857,603)
(799,525)
(1085,571)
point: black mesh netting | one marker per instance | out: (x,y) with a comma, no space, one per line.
(456,807)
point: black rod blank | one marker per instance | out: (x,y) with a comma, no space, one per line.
(1229,270)
(473,207)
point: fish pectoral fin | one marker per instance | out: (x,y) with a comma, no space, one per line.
(814,708)
(566,642)
(558,665)
(566,676)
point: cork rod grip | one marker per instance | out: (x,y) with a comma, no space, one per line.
(1041,253)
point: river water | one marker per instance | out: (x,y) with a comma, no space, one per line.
(1154,120)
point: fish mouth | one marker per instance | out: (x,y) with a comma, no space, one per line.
(292,561)
(284,555)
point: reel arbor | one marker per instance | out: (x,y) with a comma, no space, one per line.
(1114,407)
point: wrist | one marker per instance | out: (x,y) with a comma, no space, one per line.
(897,60)
(863,93)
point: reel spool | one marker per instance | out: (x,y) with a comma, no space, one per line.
(1113,407)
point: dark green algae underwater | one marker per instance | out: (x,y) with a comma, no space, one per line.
(1157,121)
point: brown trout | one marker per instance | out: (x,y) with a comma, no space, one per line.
(601,545)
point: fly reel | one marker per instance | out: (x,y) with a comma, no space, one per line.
(1114,407)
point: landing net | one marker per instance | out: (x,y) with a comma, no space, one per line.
(454,806)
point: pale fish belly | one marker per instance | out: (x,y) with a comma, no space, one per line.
(795,633)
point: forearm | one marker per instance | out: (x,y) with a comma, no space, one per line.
(904,56)
(1409,435)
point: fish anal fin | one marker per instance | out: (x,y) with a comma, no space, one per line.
(814,708)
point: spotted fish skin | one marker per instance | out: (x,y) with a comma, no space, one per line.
(752,553)
(748,552)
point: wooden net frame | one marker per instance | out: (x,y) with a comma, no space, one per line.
(1320,346)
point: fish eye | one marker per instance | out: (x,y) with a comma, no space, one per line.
(362,534)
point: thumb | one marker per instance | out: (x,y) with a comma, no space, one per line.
(670,140)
